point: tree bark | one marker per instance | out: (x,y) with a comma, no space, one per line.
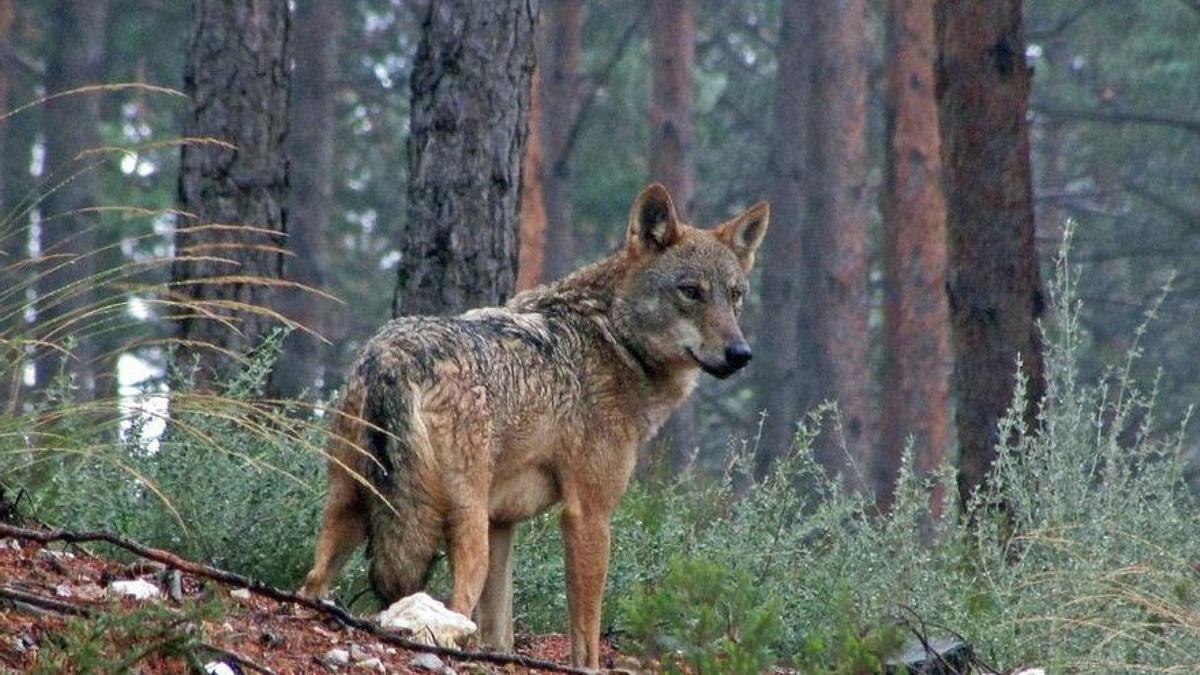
(836,336)
(531,258)
(6,22)
(915,385)
(994,287)
(12,235)
(777,346)
(559,48)
(68,236)
(470,102)
(316,40)
(672,51)
(230,252)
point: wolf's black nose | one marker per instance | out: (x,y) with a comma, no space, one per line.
(738,354)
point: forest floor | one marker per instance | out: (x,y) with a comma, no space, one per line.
(258,634)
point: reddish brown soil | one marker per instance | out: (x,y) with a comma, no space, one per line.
(282,637)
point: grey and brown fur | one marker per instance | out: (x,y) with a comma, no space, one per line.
(457,428)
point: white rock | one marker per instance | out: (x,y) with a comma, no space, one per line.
(1031,671)
(428,662)
(219,668)
(372,663)
(138,589)
(240,593)
(337,657)
(428,620)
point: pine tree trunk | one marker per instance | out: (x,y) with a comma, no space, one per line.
(470,102)
(6,21)
(777,338)
(69,237)
(835,334)
(915,386)
(672,51)
(237,76)
(12,236)
(994,288)
(531,258)
(315,43)
(559,48)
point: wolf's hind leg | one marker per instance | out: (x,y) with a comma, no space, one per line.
(343,528)
(468,546)
(495,612)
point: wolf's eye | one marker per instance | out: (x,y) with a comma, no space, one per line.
(736,295)
(691,292)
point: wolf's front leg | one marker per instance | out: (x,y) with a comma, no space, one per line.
(586,534)
(343,528)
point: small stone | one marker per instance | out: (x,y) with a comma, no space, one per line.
(270,639)
(337,657)
(240,593)
(219,668)
(138,589)
(429,662)
(357,653)
(1031,671)
(63,591)
(937,656)
(372,663)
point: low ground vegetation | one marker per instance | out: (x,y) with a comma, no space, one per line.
(1079,555)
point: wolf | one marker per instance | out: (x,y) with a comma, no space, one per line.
(458,428)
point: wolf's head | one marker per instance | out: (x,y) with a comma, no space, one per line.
(680,300)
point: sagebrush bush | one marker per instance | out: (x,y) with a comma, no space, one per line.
(233,480)
(1090,567)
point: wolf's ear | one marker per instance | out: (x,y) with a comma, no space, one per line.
(744,233)
(653,223)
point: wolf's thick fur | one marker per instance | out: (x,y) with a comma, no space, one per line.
(457,428)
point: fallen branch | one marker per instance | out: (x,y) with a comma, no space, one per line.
(42,602)
(259,588)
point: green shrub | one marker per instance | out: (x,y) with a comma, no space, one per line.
(706,615)
(116,642)
(232,481)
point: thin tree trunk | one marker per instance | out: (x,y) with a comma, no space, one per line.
(559,48)
(835,333)
(68,236)
(777,344)
(994,287)
(672,51)
(915,385)
(12,235)
(470,102)
(531,258)
(6,22)
(316,41)
(231,251)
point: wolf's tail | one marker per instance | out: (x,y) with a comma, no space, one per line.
(405,527)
